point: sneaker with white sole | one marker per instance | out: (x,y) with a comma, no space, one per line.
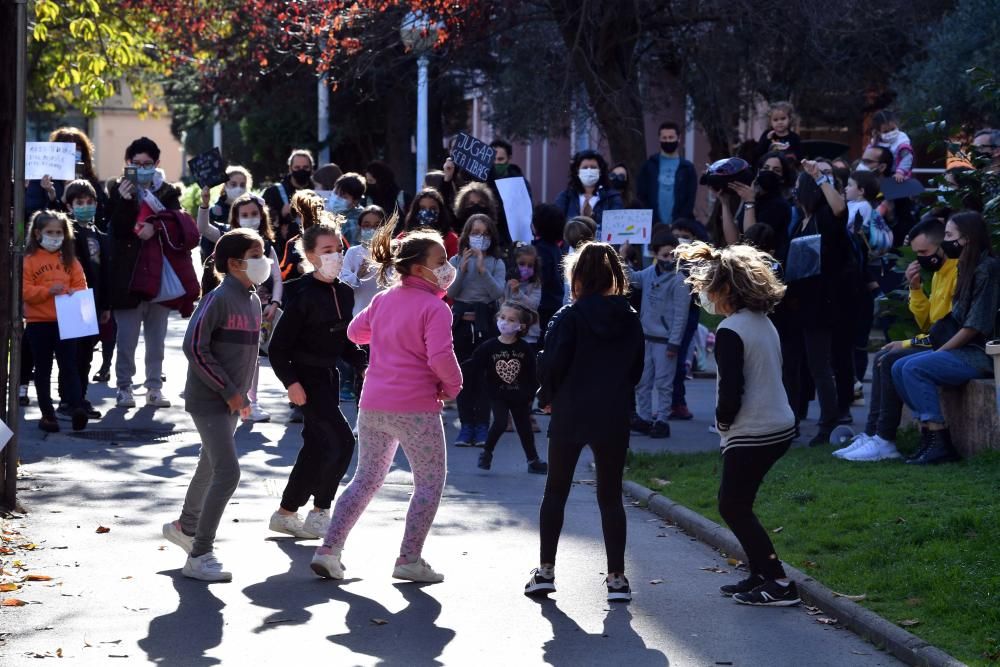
(154,399)
(316,523)
(542,582)
(287,524)
(856,443)
(205,567)
(419,571)
(327,564)
(172,531)
(770,594)
(125,399)
(618,588)
(257,415)
(859,395)
(875,449)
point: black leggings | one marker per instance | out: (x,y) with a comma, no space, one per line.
(609,457)
(743,470)
(520,411)
(472,402)
(327,442)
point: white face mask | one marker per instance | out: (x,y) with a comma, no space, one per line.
(707,304)
(479,242)
(508,328)
(330,265)
(445,275)
(232,194)
(863,167)
(367,235)
(51,243)
(889,137)
(589,176)
(258,269)
(250,223)
(337,204)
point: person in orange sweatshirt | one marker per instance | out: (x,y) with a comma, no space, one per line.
(51,269)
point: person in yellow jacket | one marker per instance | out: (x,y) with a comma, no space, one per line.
(50,270)
(878,440)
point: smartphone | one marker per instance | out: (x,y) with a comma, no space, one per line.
(132,174)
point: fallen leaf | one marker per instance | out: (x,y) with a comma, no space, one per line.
(58,652)
(735,562)
(808,608)
(778,529)
(128,577)
(860,653)
(656,581)
(30,546)
(38,577)
(13,602)
(6,551)
(662,482)
(852,598)
(162,548)
(103,529)
(7,588)
(118,655)
(379,621)
(810,563)
(815,612)
(826,620)
(909,622)
(900,519)
(279,620)
(717,570)
(113,641)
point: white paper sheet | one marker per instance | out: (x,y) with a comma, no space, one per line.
(76,314)
(51,158)
(5,435)
(517,207)
(632,225)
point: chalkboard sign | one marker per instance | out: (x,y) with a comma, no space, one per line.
(208,168)
(473,156)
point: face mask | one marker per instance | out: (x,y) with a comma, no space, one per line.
(51,243)
(683,241)
(706,304)
(337,204)
(258,269)
(232,194)
(479,242)
(669,147)
(302,176)
(890,137)
(666,265)
(930,263)
(618,182)
(508,328)
(145,174)
(85,213)
(863,167)
(589,176)
(500,170)
(250,223)
(951,249)
(526,272)
(768,181)
(427,216)
(367,235)
(470,211)
(445,275)
(330,265)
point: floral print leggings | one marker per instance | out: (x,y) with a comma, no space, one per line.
(421,435)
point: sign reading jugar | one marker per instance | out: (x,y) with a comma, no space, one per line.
(473,156)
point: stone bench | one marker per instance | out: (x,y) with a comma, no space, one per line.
(971,411)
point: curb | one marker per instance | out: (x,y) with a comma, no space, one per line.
(882,633)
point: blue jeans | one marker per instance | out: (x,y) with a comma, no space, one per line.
(918,377)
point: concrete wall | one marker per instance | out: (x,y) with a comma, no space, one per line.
(112,130)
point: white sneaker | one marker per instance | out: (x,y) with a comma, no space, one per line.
(875,449)
(859,395)
(172,531)
(154,399)
(206,567)
(257,414)
(316,523)
(419,571)
(328,565)
(125,398)
(856,442)
(288,524)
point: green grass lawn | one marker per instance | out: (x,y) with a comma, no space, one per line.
(921,543)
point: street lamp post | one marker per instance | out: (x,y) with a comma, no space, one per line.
(418,35)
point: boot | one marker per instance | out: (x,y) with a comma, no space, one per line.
(925,443)
(937,448)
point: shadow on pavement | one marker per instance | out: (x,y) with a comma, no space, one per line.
(571,645)
(182,637)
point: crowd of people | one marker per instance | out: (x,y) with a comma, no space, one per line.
(356,290)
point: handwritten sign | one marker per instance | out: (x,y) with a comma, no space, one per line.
(208,168)
(76,314)
(632,225)
(50,158)
(516,206)
(473,156)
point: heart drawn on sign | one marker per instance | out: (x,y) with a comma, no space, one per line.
(508,370)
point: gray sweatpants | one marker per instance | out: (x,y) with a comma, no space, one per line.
(214,481)
(657,378)
(152,317)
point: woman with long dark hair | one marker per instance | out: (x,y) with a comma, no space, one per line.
(588,192)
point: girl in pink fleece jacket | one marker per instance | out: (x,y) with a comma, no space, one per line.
(412,367)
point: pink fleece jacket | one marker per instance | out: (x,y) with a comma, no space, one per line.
(412,360)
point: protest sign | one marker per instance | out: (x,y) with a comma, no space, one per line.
(891,190)
(208,169)
(55,159)
(516,207)
(76,314)
(632,225)
(473,156)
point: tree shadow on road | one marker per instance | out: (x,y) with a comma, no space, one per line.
(619,643)
(182,637)
(408,637)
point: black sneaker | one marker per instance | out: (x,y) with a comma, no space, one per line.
(639,425)
(745,586)
(659,430)
(64,412)
(296,416)
(820,439)
(618,589)
(79,419)
(48,424)
(101,376)
(771,594)
(485,459)
(92,413)
(538,467)
(539,585)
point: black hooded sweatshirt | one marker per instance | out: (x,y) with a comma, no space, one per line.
(589,368)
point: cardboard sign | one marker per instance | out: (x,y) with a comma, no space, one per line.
(5,435)
(473,156)
(208,168)
(56,160)
(76,314)
(891,190)
(516,206)
(634,225)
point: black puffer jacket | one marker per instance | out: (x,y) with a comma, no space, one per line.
(591,363)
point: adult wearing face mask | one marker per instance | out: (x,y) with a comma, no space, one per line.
(47,193)
(763,203)
(588,193)
(473,198)
(667,182)
(897,212)
(279,196)
(383,190)
(238,182)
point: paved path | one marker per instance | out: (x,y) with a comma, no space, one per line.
(121,593)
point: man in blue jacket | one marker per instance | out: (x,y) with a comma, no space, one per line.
(667,182)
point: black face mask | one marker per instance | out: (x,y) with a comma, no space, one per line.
(302,176)
(808,194)
(931,263)
(768,181)
(469,211)
(669,146)
(666,265)
(618,182)
(952,249)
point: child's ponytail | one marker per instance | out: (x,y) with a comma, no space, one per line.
(399,255)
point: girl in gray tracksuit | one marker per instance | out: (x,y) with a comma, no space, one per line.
(221,346)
